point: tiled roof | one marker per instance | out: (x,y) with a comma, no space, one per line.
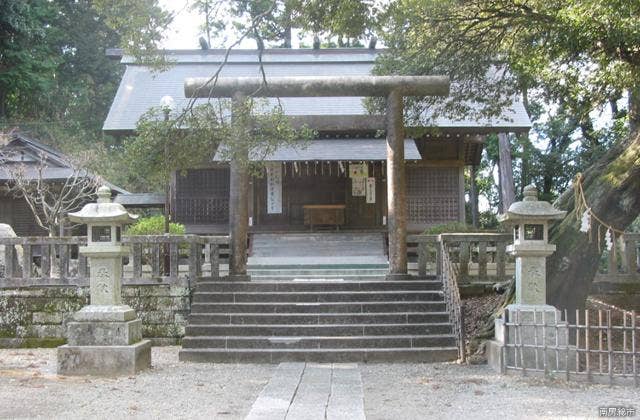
(141,88)
(337,150)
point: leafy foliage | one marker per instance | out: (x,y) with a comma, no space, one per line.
(167,142)
(153,225)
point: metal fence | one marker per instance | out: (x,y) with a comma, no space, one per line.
(597,346)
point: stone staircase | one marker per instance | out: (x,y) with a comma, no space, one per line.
(305,318)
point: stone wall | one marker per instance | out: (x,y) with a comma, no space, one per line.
(36,316)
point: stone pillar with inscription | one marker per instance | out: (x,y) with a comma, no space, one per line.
(530,221)
(105,337)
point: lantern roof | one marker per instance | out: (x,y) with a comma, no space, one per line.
(531,208)
(103,210)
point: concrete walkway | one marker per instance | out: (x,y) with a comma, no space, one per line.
(311,391)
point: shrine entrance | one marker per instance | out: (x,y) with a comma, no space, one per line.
(319,196)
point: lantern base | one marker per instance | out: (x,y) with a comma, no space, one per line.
(104,360)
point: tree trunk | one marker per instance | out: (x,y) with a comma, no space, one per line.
(473,196)
(506,172)
(612,190)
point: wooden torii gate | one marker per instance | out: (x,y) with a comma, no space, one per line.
(393,88)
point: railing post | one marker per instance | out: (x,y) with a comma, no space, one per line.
(482,260)
(9,255)
(63,262)
(155,260)
(194,249)
(422,258)
(439,254)
(464,261)
(501,248)
(173,259)
(27,271)
(45,260)
(612,268)
(631,255)
(136,248)
(214,259)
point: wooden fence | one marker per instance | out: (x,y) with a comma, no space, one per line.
(152,259)
(599,346)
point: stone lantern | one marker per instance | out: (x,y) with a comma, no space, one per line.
(105,337)
(540,325)
(530,220)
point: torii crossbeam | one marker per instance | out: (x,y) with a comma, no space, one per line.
(393,88)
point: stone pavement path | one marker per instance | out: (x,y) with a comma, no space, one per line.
(311,391)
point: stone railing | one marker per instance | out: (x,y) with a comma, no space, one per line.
(169,259)
(622,266)
(476,257)
(451,291)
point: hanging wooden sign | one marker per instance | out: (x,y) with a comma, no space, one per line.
(358,170)
(358,187)
(274,188)
(371,190)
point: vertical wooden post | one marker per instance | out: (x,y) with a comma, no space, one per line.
(239,199)
(396,187)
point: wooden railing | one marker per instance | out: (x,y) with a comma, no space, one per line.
(623,265)
(476,257)
(152,259)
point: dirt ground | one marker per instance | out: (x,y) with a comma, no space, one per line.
(30,388)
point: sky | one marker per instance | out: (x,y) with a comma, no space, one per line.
(185,28)
(184,31)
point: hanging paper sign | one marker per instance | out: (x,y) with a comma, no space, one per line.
(371,190)
(358,170)
(358,187)
(274,188)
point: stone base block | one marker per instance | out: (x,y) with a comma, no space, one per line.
(104,360)
(105,313)
(104,333)
(239,277)
(493,351)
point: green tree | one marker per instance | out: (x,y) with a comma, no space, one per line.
(581,54)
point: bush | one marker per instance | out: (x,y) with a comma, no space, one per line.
(153,225)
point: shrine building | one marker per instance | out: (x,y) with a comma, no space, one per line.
(338,181)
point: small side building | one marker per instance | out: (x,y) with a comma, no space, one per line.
(39,162)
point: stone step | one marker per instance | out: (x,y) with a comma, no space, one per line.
(320,270)
(335,307)
(318,319)
(311,297)
(317,286)
(366,355)
(324,342)
(336,277)
(317,330)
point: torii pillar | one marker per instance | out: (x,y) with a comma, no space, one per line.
(393,88)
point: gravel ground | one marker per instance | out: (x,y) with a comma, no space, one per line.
(452,391)
(29,387)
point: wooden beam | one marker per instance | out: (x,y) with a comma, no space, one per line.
(309,86)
